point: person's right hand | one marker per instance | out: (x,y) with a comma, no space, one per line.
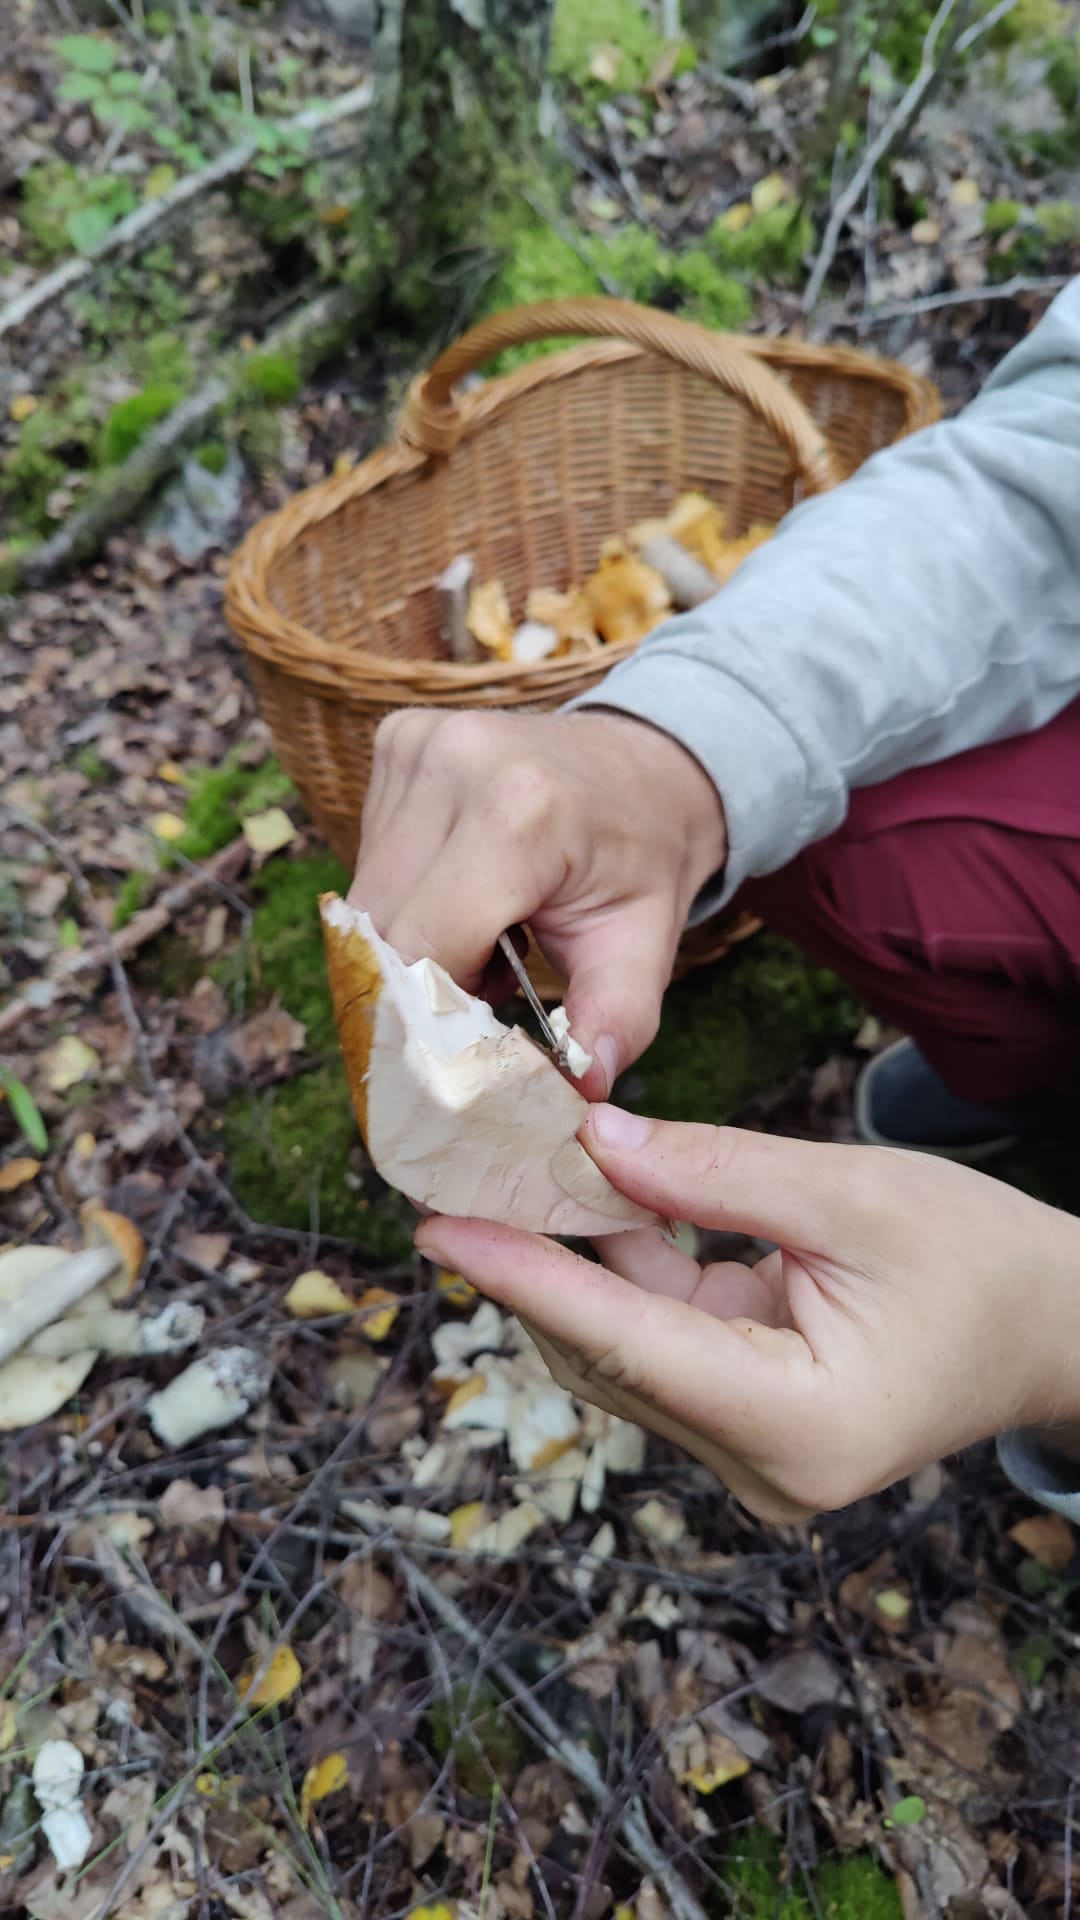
(592,826)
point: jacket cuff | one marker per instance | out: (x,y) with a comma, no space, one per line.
(749,755)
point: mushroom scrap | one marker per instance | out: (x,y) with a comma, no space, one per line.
(59,1313)
(461,1114)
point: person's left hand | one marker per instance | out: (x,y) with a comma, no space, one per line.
(911,1308)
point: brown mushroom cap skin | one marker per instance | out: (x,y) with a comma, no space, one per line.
(101,1227)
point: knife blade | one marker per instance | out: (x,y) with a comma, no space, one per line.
(551,1040)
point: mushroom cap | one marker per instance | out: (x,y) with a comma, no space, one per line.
(461,1114)
(105,1228)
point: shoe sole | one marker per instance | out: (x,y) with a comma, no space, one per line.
(969,1156)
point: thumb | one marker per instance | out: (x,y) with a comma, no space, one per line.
(618,970)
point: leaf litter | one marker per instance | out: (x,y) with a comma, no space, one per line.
(229,1630)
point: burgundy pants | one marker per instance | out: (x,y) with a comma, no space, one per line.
(949,900)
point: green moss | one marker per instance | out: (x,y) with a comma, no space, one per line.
(295,1157)
(220,798)
(850,1888)
(732,1030)
(131,420)
(294,1152)
(542,264)
(472,1728)
(91,765)
(56,441)
(65,208)
(213,455)
(624,30)
(771,245)
(999,216)
(130,896)
(273,377)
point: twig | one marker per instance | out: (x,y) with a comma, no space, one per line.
(143,926)
(308,334)
(130,1016)
(962,297)
(896,124)
(577,1760)
(133,230)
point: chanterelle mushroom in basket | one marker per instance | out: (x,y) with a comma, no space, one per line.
(461,1114)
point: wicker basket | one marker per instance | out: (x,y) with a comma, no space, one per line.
(333,596)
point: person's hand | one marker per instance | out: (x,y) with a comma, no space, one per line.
(911,1308)
(594,827)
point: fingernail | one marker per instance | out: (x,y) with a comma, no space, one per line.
(606,1054)
(614,1127)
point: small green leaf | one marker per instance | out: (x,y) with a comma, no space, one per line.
(24,1111)
(87,53)
(128,114)
(69,934)
(908,1812)
(822,36)
(125,82)
(81,86)
(87,226)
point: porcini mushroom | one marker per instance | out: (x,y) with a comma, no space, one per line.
(461,1114)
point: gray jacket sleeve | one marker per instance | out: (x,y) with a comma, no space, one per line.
(930,604)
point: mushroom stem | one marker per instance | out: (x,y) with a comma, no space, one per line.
(57,1289)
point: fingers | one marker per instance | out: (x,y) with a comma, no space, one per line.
(617,964)
(739,1384)
(798,1193)
(727,1290)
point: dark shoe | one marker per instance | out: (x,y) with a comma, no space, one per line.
(900,1102)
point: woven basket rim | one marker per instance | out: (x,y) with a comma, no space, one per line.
(325,663)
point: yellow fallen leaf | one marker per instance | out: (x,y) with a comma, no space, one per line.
(1048,1538)
(467,1521)
(158,180)
(893,1604)
(437,1910)
(269,831)
(926,233)
(282,1677)
(68,1063)
(605,63)
(17,1173)
(738,216)
(315,1293)
(454,1288)
(769,192)
(378,1310)
(167,826)
(327,1777)
(8,1725)
(344,462)
(171,772)
(83,1145)
(965,193)
(468,1390)
(707,1779)
(22,406)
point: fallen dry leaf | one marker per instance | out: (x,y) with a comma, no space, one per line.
(69,1063)
(167,826)
(18,1173)
(320,1781)
(268,832)
(1048,1538)
(267,1039)
(280,1680)
(378,1309)
(314,1293)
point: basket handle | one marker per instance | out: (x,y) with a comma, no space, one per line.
(433,421)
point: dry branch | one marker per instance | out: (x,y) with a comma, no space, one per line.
(893,129)
(308,334)
(223,868)
(577,1760)
(136,228)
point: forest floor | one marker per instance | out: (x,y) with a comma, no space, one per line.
(359,1654)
